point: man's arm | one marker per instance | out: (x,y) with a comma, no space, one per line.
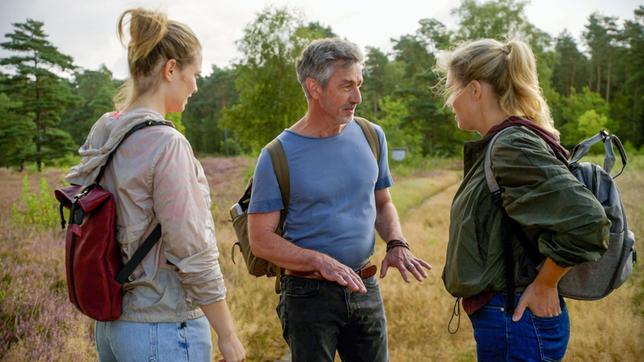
(388,227)
(266,244)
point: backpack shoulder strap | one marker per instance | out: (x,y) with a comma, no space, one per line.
(280,166)
(489,174)
(139,126)
(370,134)
(509,227)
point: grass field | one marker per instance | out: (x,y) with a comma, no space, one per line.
(37,322)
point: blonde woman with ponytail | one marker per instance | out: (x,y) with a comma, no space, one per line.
(177,292)
(491,86)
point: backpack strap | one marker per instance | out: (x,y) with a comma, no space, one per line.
(584,146)
(509,227)
(280,166)
(124,274)
(370,134)
(139,126)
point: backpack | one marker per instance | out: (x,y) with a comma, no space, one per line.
(239,211)
(94,270)
(590,280)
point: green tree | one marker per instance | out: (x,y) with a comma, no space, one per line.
(394,112)
(627,105)
(95,88)
(270,97)
(203,113)
(15,133)
(427,115)
(589,123)
(571,109)
(41,92)
(601,36)
(571,66)
(375,82)
(502,19)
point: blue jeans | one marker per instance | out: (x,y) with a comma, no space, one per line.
(532,338)
(133,341)
(319,317)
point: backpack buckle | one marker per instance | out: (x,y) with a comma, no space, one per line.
(236,211)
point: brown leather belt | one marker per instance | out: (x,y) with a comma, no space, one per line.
(365,272)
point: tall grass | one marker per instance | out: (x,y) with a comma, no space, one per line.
(36,209)
(37,322)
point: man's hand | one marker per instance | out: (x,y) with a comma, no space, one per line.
(333,270)
(401,258)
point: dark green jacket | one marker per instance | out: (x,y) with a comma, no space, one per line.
(557,212)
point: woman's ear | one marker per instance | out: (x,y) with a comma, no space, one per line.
(169,68)
(477,89)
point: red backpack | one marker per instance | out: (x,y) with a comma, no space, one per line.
(93,263)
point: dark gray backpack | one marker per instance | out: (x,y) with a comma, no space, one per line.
(592,280)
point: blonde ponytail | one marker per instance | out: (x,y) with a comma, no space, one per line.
(511,71)
(153,40)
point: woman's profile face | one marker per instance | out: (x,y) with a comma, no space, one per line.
(183,86)
(461,102)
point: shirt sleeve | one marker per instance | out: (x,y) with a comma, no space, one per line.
(265,194)
(542,195)
(182,206)
(384,176)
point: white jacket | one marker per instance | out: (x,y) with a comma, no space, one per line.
(155,178)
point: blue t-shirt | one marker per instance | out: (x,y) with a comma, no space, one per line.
(332,207)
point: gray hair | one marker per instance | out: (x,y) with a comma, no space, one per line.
(318,58)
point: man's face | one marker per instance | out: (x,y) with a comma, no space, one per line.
(342,92)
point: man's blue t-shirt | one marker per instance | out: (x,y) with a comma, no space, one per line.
(332,207)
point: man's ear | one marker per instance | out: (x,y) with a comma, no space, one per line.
(169,68)
(313,87)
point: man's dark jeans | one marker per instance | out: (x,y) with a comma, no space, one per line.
(319,317)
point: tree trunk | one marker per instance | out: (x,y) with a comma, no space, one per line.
(39,128)
(599,78)
(608,82)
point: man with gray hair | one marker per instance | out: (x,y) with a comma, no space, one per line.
(330,299)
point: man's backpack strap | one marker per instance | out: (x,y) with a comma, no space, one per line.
(370,134)
(280,166)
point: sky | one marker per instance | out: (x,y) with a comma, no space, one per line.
(86,29)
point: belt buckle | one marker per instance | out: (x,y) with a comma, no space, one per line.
(368,271)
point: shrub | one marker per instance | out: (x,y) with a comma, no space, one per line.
(36,209)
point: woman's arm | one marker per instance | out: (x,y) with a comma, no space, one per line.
(541,296)
(220,319)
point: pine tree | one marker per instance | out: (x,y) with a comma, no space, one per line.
(15,134)
(96,88)
(41,93)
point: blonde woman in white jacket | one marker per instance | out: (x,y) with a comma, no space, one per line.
(178,291)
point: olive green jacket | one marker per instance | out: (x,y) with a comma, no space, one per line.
(556,211)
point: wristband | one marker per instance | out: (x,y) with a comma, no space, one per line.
(396,243)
